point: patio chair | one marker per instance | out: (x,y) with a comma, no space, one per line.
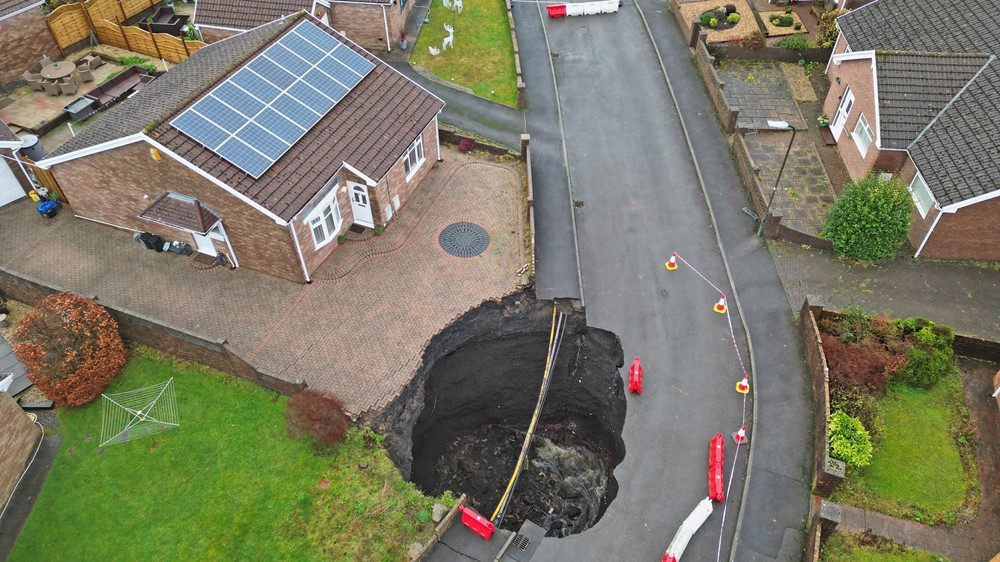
(45,60)
(33,80)
(51,88)
(67,86)
(86,74)
(94,62)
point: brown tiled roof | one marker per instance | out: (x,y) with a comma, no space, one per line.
(181,211)
(6,134)
(370,129)
(245,14)
(8,7)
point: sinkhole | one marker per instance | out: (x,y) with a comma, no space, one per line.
(461,423)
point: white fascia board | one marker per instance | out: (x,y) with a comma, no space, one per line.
(360,174)
(223,28)
(878,122)
(860,55)
(47,163)
(840,37)
(21,11)
(358,2)
(977,199)
(228,188)
(13,145)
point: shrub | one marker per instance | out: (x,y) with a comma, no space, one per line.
(776,20)
(466,145)
(753,41)
(827,28)
(786,21)
(795,42)
(871,219)
(930,358)
(861,404)
(318,415)
(71,348)
(733,18)
(705,18)
(863,365)
(849,440)
(713,22)
(730,9)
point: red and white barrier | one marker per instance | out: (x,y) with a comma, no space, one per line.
(583,8)
(688,528)
(716,464)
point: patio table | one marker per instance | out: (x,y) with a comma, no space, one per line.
(58,70)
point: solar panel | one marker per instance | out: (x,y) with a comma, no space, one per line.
(263,109)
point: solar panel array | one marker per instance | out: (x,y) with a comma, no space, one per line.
(264,108)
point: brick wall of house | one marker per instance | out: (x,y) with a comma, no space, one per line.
(361,23)
(310,254)
(6,153)
(18,439)
(109,186)
(397,20)
(395,180)
(213,35)
(23,40)
(858,75)
(971,233)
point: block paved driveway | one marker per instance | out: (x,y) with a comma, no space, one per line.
(360,336)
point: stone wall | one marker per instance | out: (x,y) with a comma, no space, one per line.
(135,328)
(18,438)
(24,38)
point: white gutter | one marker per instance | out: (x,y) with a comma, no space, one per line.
(298,249)
(385,20)
(47,163)
(860,55)
(223,28)
(972,201)
(840,35)
(112,225)
(21,11)
(929,232)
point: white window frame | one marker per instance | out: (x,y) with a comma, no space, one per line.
(863,128)
(320,217)
(917,191)
(414,157)
(215,233)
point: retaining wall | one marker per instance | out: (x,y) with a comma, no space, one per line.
(827,472)
(18,438)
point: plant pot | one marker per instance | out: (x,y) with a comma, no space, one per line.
(798,25)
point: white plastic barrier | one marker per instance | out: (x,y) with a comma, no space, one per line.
(591,8)
(688,528)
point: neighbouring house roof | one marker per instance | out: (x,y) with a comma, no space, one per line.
(9,7)
(915,87)
(6,135)
(245,14)
(936,26)
(173,209)
(369,129)
(959,153)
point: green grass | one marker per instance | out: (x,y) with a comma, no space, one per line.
(917,470)
(228,484)
(483,57)
(846,547)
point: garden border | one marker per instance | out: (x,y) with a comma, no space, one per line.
(136,328)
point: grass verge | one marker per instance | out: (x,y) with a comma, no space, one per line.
(228,484)
(483,57)
(865,547)
(924,466)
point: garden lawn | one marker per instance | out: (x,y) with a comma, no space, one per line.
(228,484)
(846,547)
(916,470)
(483,57)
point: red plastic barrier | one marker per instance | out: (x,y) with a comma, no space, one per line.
(635,376)
(556,10)
(668,558)
(476,523)
(716,464)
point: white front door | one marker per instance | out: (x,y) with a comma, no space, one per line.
(10,189)
(843,110)
(204,244)
(361,205)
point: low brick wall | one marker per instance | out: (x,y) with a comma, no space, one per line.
(827,472)
(716,87)
(780,54)
(135,328)
(455,136)
(18,438)
(823,519)
(517,56)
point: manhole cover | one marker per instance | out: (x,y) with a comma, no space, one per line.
(464,239)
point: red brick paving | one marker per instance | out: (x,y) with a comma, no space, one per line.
(360,335)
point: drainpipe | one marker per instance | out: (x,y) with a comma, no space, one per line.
(225,235)
(385,21)
(929,232)
(298,250)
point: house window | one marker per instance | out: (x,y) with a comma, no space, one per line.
(863,135)
(414,157)
(325,221)
(921,195)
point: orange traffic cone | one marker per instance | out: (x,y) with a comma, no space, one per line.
(743,387)
(672,264)
(720,306)
(740,436)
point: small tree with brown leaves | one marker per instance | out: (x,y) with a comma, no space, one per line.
(71,348)
(318,415)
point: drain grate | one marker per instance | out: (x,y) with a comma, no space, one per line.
(464,239)
(521,541)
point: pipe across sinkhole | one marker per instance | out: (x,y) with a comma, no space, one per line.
(461,423)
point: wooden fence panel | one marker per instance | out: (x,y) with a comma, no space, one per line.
(44,177)
(108,33)
(133,7)
(104,10)
(140,41)
(68,25)
(174,49)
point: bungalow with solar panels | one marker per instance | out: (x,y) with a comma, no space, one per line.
(373,24)
(259,149)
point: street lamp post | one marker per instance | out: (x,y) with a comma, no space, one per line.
(777,126)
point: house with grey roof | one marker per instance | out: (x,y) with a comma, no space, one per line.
(24,38)
(914,86)
(374,24)
(14,182)
(258,151)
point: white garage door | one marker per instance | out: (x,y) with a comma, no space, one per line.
(10,189)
